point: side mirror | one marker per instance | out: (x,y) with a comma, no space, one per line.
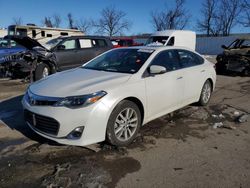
(223,46)
(157,69)
(60,47)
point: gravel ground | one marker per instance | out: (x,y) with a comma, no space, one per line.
(178,150)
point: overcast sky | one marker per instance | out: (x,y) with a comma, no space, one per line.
(138,11)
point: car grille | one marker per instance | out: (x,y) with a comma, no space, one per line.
(42,123)
(36,100)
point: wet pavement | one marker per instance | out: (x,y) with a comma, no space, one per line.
(182,149)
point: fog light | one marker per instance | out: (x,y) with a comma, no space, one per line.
(76,133)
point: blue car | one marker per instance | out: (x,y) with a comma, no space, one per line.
(8,47)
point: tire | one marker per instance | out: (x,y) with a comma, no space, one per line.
(206,92)
(42,71)
(118,122)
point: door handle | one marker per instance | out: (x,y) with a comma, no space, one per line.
(179,78)
(203,71)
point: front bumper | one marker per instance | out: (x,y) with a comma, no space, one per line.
(94,118)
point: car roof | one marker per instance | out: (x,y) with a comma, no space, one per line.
(83,36)
(159,48)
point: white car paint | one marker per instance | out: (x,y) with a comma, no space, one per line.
(159,94)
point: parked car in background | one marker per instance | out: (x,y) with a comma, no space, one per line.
(56,55)
(8,47)
(123,42)
(111,96)
(235,58)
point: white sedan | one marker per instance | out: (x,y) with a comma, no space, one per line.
(112,96)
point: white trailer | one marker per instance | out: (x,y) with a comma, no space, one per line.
(41,34)
(3,32)
(173,38)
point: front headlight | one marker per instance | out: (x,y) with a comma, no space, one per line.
(81,101)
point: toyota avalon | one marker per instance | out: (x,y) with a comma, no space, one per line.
(113,95)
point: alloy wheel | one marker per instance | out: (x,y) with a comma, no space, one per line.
(126,124)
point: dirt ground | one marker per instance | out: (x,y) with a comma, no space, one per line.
(179,150)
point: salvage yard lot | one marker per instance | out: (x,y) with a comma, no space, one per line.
(178,150)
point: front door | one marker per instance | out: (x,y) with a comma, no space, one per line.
(68,56)
(165,91)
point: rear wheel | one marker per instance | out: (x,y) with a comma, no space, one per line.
(205,93)
(42,71)
(124,123)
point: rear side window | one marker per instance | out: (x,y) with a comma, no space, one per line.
(85,43)
(189,59)
(99,43)
(168,59)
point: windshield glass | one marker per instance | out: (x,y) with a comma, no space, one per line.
(245,44)
(120,60)
(157,39)
(52,43)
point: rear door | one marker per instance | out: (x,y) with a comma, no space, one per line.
(100,46)
(165,91)
(86,51)
(194,73)
(68,57)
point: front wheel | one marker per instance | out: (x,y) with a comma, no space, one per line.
(205,93)
(124,123)
(42,71)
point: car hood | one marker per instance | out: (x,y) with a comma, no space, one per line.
(26,42)
(77,81)
(9,51)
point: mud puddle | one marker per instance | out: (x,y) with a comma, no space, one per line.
(65,166)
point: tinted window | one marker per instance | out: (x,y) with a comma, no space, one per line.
(21,32)
(189,59)
(168,59)
(70,44)
(85,43)
(157,39)
(171,41)
(43,33)
(33,33)
(99,43)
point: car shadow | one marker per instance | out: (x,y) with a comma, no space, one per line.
(11,114)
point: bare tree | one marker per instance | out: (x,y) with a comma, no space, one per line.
(112,22)
(228,15)
(245,21)
(84,25)
(176,17)
(47,22)
(209,18)
(17,21)
(70,21)
(56,20)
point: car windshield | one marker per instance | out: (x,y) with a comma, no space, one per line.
(120,60)
(52,43)
(246,44)
(157,39)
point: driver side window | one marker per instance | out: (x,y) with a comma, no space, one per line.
(168,59)
(69,44)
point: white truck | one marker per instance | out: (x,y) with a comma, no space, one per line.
(182,38)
